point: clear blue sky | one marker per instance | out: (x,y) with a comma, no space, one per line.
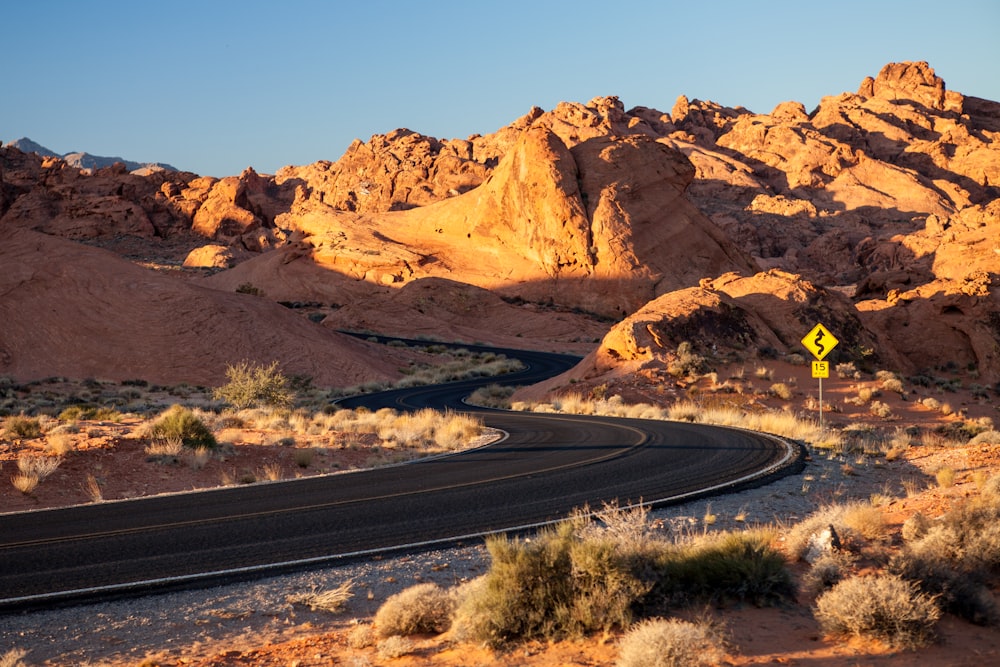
(216,86)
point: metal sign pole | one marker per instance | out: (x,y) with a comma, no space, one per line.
(820,405)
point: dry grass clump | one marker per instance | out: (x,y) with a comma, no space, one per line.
(92,486)
(945,477)
(613,406)
(777,422)
(33,469)
(464,365)
(658,642)
(331,600)
(721,567)
(165,450)
(884,607)
(58,444)
(421,609)
(13,658)
(26,484)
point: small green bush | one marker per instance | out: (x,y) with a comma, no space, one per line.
(182,424)
(421,609)
(252,385)
(723,567)
(883,607)
(658,642)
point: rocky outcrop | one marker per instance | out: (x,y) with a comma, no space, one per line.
(602,227)
(887,195)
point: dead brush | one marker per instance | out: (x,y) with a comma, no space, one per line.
(330,600)
(38,466)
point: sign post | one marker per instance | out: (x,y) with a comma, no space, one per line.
(819,341)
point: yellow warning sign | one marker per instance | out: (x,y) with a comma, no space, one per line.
(820,341)
(821,369)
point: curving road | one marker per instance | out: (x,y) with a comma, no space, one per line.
(546,467)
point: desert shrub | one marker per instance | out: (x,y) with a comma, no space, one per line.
(92,486)
(826,571)
(421,609)
(181,423)
(891,382)
(361,636)
(883,607)
(38,466)
(252,385)
(945,477)
(658,642)
(915,527)
(90,412)
(847,371)
(880,409)
(686,362)
(394,647)
(249,288)
(492,396)
(956,589)
(990,437)
(555,585)
(20,426)
(953,558)
(303,456)
(781,390)
(722,567)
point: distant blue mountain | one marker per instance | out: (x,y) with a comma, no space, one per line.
(86,160)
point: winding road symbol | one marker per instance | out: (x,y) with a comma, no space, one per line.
(819,341)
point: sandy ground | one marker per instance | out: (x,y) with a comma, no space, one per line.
(257,624)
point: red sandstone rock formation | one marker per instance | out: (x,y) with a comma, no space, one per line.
(887,194)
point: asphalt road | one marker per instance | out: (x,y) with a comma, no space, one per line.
(546,467)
